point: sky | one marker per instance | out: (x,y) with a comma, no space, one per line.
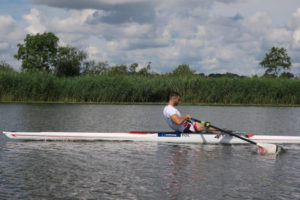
(211,36)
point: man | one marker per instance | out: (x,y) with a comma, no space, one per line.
(179,123)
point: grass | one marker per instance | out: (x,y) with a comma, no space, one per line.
(128,89)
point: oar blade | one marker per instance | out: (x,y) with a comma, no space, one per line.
(266,149)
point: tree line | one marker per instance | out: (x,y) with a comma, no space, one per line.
(41,52)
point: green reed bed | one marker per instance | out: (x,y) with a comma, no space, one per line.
(45,87)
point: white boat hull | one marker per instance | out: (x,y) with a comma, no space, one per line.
(152,137)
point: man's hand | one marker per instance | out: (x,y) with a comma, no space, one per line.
(188,117)
(205,124)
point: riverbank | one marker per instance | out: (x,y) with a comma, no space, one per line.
(134,89)
(149,103)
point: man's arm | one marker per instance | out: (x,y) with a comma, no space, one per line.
(179,120)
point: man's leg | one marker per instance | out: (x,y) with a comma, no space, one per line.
(200,127)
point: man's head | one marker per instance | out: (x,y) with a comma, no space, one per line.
(174,98)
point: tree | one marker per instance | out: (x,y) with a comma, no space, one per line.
(133,67)
(87,66)
(69,61)
(216,75)
(100,69)
(276,60)
(38,51)
(286,75)
(90,67)
(226,75)
(201,75)
(183,70)
(144,72)
(149,66)
(4,67)
(118,70)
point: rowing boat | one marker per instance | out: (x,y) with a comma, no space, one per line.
(175,137)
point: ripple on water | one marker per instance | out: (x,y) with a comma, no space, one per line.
(141,170)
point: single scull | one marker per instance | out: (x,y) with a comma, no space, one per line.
(204,138)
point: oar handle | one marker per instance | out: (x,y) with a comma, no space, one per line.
(228,132)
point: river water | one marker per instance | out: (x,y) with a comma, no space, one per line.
(144,170)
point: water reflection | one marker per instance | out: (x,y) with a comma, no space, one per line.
(184,167)
(178,161)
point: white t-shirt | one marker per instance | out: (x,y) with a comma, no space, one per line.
(168,112)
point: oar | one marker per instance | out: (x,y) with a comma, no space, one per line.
(264,148)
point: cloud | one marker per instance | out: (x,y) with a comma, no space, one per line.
(95,17)
(280,36)
(167,33)
(294,22)
(92,52)
(4,46)
(10,33)
(296,37)
(139,11)
(258,24)
(7,24)
(75,22)
(143,44)
(117,11)
(36,22)
(87,4)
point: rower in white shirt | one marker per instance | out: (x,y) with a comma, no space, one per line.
(183,124)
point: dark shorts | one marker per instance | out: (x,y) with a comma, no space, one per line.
(190,127)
